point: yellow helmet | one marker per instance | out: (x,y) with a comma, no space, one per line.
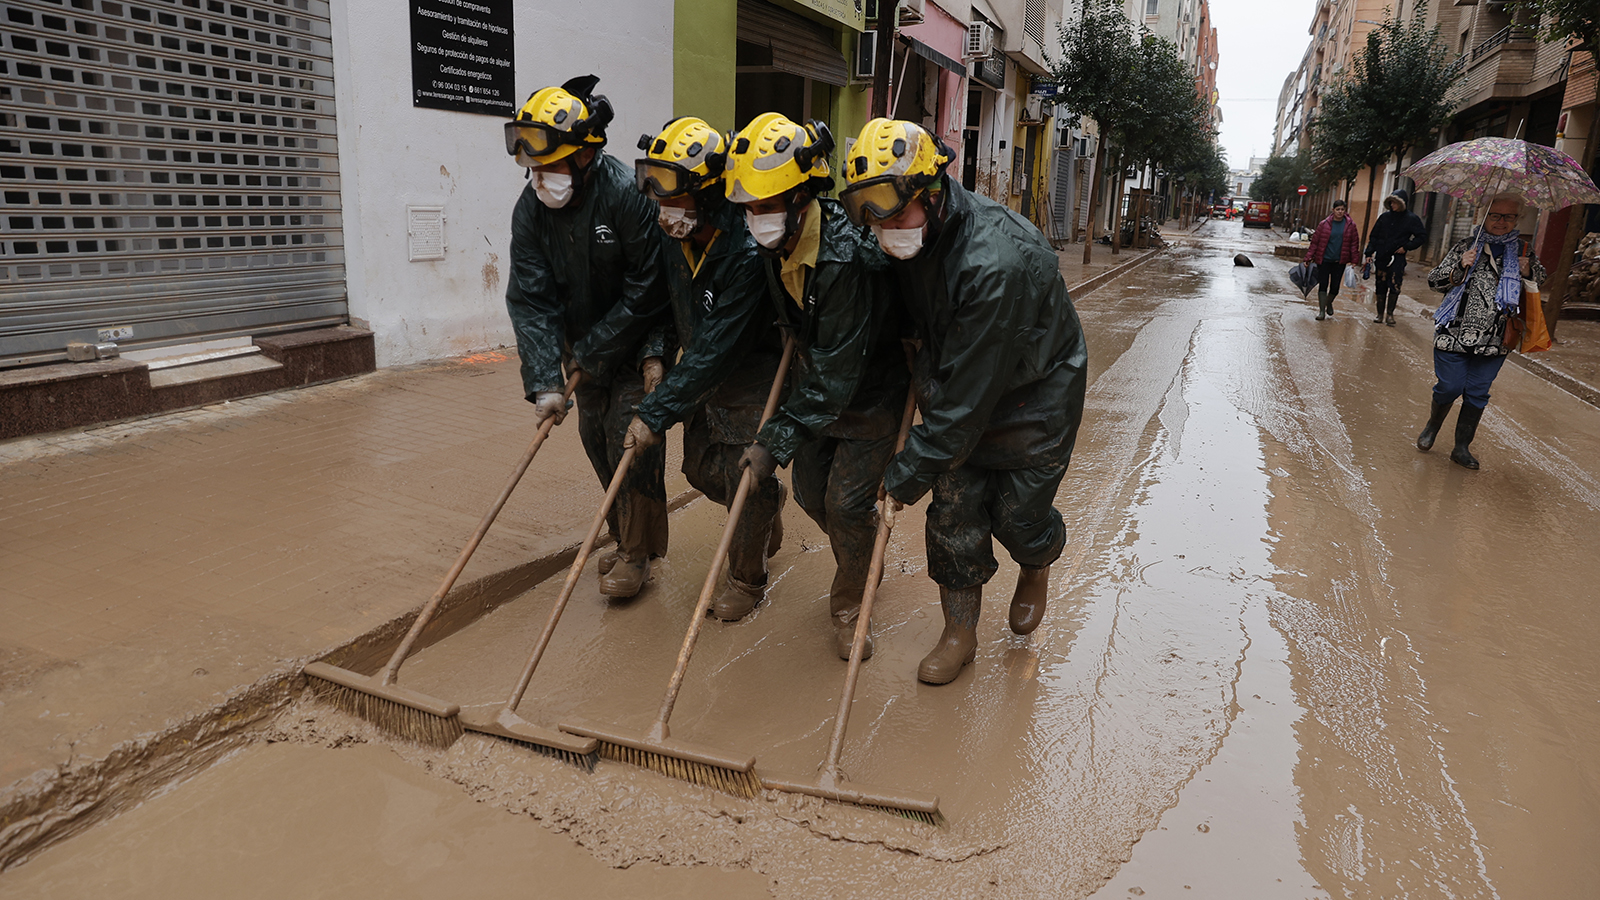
(688,155)
(889,165)
(558,121)
(772,155)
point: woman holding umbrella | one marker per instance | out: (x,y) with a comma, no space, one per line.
(1481,278)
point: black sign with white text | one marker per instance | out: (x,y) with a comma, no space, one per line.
(461,56)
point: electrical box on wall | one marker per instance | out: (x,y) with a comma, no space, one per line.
(424,233)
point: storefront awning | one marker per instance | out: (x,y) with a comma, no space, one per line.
(934,56)
(799,46)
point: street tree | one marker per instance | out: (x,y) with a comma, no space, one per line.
(1096,74)
(1399,87)
(1281,177)
(1166,117)
(1342,143)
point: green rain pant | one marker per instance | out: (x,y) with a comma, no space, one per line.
(973,505)
(836,482)
(638,518)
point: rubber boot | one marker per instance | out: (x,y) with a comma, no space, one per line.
(958,645)
(1322,304)
(1027,603)
(627,576)
(1383,291)
(608,561)
(844,631)
(1436,413)
(737,600)
(1466,430)
(636,541)
(844,600)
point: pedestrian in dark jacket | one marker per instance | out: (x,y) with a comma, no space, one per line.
(1481,278)
(585,294)
(1335,244)
(1000,378)
(718,289)
(1396,233)
(830,289)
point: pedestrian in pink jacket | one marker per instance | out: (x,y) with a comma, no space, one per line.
(1336,243)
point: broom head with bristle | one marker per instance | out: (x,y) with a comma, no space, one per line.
(507,725)
(404,713)
(694,763)
(913,805)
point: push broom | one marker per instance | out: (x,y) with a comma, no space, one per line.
(376,698)
(831,784)
(505,723)
(656,748)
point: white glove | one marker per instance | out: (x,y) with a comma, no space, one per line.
(547,404)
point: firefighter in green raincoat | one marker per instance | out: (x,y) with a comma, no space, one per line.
(718,290)
(828,283)
(585,294)
(999,376)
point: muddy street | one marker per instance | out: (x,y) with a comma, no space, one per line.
(1286,656)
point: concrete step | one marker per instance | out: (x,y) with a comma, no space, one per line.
(208,367)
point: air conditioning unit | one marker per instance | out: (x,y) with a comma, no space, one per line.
(980,41)
(865,64)
(1033,109)
(911,12)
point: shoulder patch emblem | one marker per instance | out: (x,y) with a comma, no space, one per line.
(604,235)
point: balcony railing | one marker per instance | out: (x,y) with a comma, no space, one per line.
(1503,36)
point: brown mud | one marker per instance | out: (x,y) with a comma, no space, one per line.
(1287,655)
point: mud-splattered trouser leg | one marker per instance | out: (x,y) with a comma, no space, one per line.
(712,467)
(836,482)
(1390,277)
(971,505)
(638,519)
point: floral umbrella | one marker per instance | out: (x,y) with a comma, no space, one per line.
(1478,169)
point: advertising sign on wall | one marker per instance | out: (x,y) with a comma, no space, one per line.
(461,56)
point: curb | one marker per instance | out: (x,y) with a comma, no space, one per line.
(1098,281)
(1582,390)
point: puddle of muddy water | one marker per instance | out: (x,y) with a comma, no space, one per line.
(285,820)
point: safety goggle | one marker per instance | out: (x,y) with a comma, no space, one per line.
(870,202)
(661,179)
(534,138)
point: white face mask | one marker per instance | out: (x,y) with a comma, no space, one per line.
(554,188)
(900,243)
(766,229)
(677,223)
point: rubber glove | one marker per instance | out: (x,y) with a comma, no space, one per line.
(640,435)
(547,404)
(759,460)
(653,371)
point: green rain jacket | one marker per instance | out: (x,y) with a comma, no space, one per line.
(585,280)
(1001,372)
(725,324)
(849,372)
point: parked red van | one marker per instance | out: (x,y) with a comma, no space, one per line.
(1258,212)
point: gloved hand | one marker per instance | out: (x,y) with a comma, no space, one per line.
(759,460)
(547,404)
(640,435)
(653,371)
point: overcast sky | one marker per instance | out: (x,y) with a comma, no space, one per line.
(1259,43)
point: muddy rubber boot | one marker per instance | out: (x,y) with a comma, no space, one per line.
(608,561)
(1322,305)
(958,645)
(1436,413)
(736,600)
(626,578)
(844,632)
(1466,430)
(1027,603)
(1388,320)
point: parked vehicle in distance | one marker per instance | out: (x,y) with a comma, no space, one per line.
(1258,212)
(1220,211)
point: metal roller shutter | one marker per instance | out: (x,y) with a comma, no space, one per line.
(799,46)
(169,172)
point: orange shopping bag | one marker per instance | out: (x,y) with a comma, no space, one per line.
(1536,336)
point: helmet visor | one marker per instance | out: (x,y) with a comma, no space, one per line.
(532,138)
(870,202)
(656,178)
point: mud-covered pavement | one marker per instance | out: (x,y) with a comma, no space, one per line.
(1287,656)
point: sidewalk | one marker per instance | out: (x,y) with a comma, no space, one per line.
(1103,266)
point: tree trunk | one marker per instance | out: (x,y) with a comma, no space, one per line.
(1556,293)
(1366,220)
(1094,193)
(1116,206)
